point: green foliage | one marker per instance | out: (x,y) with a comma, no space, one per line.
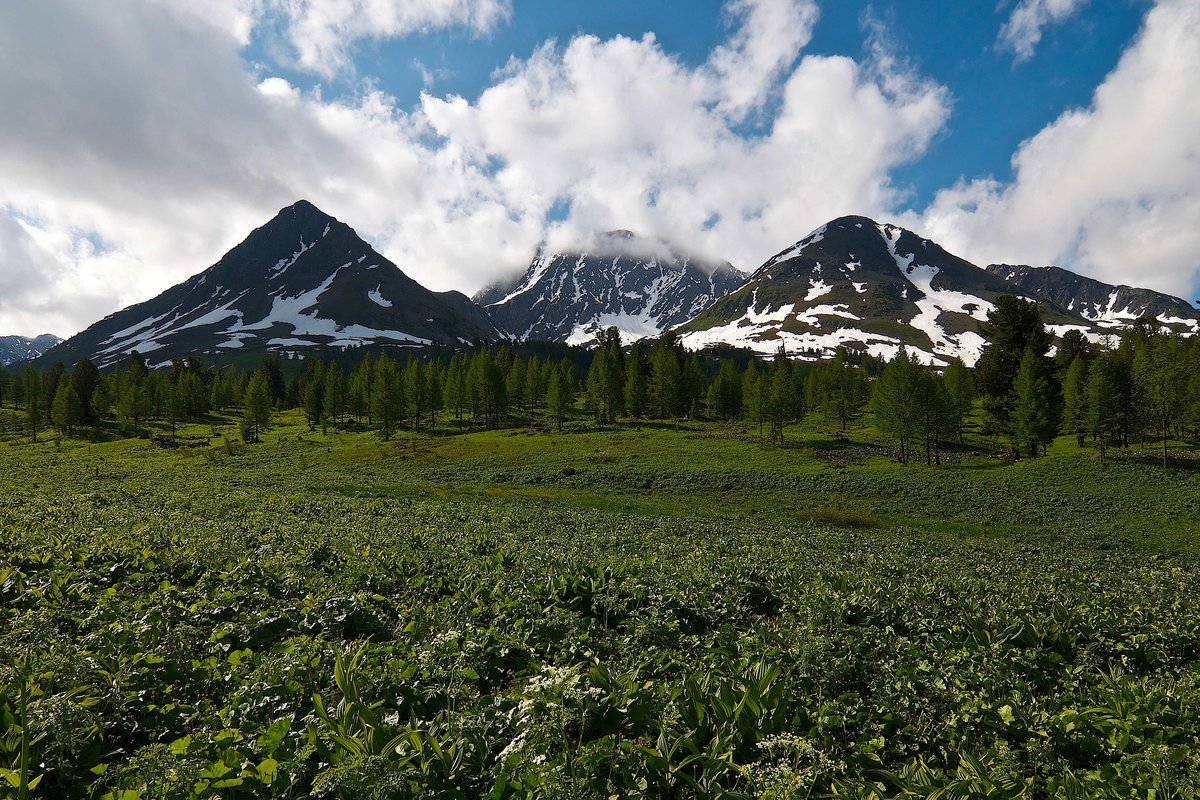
(256,408)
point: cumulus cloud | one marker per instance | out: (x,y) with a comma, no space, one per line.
(321,31)
(1111,190)
(1023,31)
(159,150)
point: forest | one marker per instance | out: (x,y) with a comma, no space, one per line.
(1143,387)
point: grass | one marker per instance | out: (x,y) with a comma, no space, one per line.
(658,610)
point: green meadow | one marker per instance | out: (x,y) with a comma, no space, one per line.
(659,610)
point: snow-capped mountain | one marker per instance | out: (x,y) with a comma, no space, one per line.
(301,281)
(1102,303)
(868,286)
(641,287)
(21,348)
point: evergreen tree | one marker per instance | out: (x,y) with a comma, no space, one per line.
(67,410)
(960,383)
(456,386)
(435,381)
(755,391)
(779,401)
(1013,327)
(85,378)
(133,402)
(1036,410)
(1104,401)
(102,400)
(173,405)
(5,380)
(636,387)
(387,397)
(416,385)
(840,389)
(559,391)
(1075,400)
(334,403)
(938,417)
(1161,380)
(537,379)
(666,376)
(193,396)
(894,402)
(256,408)
(33,399)
(517,385)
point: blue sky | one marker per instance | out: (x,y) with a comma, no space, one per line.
(144,139)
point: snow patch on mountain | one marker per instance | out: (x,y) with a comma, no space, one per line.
(967,345)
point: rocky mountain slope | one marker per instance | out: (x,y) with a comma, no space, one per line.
(640,286)
(1102,303)
(301,281)
(22,348)
(869,286)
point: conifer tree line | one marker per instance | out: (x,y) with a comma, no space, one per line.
(1145,388)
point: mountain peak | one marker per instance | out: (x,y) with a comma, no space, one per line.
(303,280)
(640,286)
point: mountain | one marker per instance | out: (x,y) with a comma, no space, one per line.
(22,348)
(1102,303)
(641,286)
(304,280)
(868,286)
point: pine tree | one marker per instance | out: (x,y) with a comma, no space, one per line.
(85,378)
(666,376)
(133,401)
(173,405)
(334,404)
(960,383)
(559,391)
(1013,327)
(256,411)
(1104,401)
(314,403)
(1161,383)
(193,396)
(33,399)
(387,397)
(636,388)
(435,382)
(67,410)
(894,403)
(1075,400)
(517,385)
(1035,409)
(841,389)
(416,386)
(456,386)
(102,400)
(754,394)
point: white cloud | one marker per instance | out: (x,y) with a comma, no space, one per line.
(321,31)
(1112,190)
(169,154)
(1023,30)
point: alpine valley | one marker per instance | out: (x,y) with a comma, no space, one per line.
(306,281)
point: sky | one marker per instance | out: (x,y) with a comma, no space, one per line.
(142,139)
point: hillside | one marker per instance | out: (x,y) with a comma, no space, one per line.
(302,281)
(869,286)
